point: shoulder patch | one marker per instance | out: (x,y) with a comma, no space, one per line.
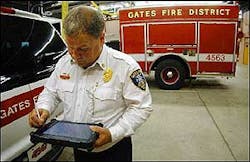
(138,79)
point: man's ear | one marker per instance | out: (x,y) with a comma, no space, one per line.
(102,37)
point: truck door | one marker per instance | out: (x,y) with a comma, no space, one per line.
(217,47)
(133,40)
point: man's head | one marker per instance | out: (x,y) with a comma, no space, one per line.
(84,34)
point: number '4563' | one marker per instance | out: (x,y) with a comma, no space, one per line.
(216,57)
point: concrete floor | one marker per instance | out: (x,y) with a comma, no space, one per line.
(206,120)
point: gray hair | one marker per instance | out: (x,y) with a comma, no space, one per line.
(84,19)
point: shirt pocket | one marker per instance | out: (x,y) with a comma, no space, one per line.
(65,91)
(106,100)
(104,93)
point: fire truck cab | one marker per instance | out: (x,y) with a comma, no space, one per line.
(181,42)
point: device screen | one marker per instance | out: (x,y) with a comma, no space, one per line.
(71,130)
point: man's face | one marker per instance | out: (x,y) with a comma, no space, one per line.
(84,48)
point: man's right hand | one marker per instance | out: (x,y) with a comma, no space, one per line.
(35,121)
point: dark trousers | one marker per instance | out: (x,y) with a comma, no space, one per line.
(122,151)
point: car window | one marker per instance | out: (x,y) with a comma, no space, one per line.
(50,49)
(17,61)
(57,26)
(29,51)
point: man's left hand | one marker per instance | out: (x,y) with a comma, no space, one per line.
(104,135)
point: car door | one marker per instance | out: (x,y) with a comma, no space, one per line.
(29,51)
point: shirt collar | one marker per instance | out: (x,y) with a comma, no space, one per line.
(101,61)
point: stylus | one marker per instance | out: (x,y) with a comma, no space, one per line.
(38,114)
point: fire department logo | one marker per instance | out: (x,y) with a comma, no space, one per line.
(138,79)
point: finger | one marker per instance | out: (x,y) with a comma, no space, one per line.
(33,124)
(98,143)
(34,120)
(95,128)
(99,139)
(43,117)
(104,135)
(44,114)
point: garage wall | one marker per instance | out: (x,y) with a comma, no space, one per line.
(244,43)
(112,30)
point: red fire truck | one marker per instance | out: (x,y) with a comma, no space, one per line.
(181,42)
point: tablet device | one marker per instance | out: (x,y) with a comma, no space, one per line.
(66,133)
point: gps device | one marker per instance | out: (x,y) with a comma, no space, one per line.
(66,133)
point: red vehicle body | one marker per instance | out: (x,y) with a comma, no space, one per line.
(180,42)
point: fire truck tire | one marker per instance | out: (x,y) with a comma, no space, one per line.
(170,74)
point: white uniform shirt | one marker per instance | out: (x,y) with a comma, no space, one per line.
(121,103)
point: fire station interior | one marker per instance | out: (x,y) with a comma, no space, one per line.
(206,119)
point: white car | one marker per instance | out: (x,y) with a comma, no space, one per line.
(30,48)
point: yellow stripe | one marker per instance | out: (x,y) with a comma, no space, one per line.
(246,51)
(65,9)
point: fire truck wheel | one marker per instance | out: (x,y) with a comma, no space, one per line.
(170,74)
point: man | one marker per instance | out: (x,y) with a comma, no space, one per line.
(96,84)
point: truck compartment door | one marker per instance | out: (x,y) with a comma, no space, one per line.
(172,33)
(179,38)
(217,47)
(133,42)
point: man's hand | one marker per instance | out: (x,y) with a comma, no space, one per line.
(35,121)
(104,135)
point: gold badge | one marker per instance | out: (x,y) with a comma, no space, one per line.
(107,75)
